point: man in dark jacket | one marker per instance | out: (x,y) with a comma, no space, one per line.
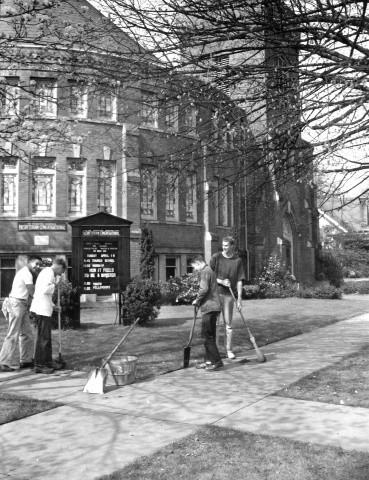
(209,301)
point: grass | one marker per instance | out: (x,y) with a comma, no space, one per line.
(159,346)
(215,453)
(15,407)
(343,383)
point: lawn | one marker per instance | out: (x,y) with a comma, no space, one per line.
(343,383)
(159,346)
(215,453)
(14,407)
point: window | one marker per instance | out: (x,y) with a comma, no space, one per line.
(224,203)
(189,268)
(9,96)
(150,112)
(191,200)
(148,191)
(189,119)
(9,186)
(77,99)
(106,186)
(45,96)
(76,187)
(170,267)
(7,274)
(170,116)
(43,186)
(171,196)
(107,105)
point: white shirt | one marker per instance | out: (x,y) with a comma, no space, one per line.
(42,300)
(22,278)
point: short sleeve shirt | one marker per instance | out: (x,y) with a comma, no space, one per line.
(22,278)
(227,268)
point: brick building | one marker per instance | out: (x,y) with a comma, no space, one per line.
(129,152)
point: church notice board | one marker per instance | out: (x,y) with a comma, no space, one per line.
(100,254)
(100,257)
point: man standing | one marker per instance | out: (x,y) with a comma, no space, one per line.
(209,301)
(19,331)
(228,270)
(42,308)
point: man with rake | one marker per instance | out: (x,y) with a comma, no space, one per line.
(228,270)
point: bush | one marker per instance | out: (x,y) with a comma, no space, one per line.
(147,263)
(180,290)
(362,288)
(142,298)
(329,268)
(69,303)
(321,291)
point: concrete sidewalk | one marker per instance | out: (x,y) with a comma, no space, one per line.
(93,435)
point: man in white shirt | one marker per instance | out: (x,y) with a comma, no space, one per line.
(42,308)
(19,332)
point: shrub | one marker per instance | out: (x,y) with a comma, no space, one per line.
(142,298)
(180,290)
(361,288)
(276,281)
(321,291)
(69,303)
(328,268)
(147,264)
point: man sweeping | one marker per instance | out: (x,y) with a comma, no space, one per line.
(209,301)
(19,331)
(42,308)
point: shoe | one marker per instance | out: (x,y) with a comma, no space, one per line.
(26,365)
(6,368)
(202,365)
(214,366)
(45,370)
(231,355)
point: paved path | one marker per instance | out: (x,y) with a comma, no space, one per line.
(92,435)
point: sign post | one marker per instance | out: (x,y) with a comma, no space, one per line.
(101,255)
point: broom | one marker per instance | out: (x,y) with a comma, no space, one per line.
(259,355)
(59,364)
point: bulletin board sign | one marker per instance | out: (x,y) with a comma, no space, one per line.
(100,254)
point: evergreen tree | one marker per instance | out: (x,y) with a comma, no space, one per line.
(147,266)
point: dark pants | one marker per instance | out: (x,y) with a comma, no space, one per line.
(43,349)
(208,333)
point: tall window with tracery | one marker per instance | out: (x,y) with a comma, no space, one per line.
(171,196)
(9,96)
(106,186)
(45,97)
(43,186)
(148,191)
(77,99)
(9,185)
(76,187)
(191,205)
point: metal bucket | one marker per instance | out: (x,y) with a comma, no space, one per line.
(121,370)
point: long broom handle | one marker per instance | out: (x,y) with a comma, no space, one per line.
(59,318)
(243,318)
(120,343)
(259,354)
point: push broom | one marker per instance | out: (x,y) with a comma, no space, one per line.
(59,364)
(97,378)
(259,355)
